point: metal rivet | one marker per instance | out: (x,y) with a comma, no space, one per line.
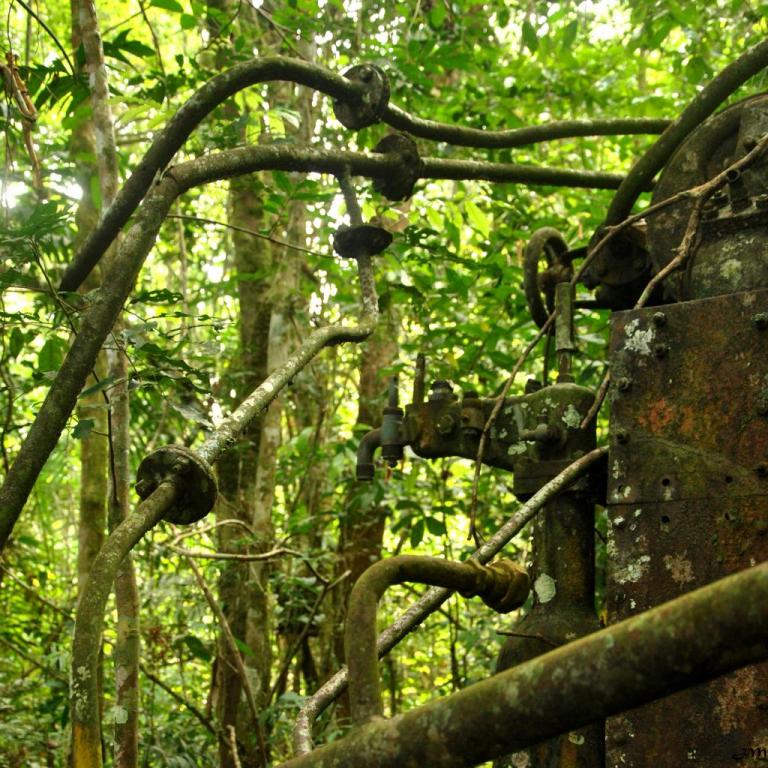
(623,384)
(661,350)
(446,424)
(659,319)
(760,321)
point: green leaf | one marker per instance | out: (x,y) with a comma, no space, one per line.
(187,21)
(244,648)
(51,355)
(197,647)
(168,5)
(16,343)
(569,35)
(98,386)
(434,526)
(478,219)
(83,429)
(529,37)
(417,533)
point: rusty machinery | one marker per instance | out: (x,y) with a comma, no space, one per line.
(686,481)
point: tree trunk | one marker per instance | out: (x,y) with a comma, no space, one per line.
(126,710)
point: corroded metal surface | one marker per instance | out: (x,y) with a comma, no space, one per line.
(194,478)
(688,499)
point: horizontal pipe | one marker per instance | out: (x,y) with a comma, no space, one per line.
(462,136)
(692,639)
(241,160)
(178,129)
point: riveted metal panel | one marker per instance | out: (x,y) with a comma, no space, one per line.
(688,503)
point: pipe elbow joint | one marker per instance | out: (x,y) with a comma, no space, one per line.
(364,470)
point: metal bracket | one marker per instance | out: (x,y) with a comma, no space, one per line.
(399,184)
(368,109)
(360,240)
(194,479)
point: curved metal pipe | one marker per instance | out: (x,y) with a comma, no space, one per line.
(503,586)
(364,469)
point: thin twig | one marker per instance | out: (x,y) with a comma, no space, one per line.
(246,558)
(50,34)
(473,533)
(33,661)
(206,723)
(246,231)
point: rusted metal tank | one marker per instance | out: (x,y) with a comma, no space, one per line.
(688,503)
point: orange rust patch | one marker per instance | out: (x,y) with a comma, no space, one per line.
(660,414)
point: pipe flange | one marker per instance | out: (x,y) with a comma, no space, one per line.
(360,240)
(399,184)
(194,479)
(502,586)
(369,107)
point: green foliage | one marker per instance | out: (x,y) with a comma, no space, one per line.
(451,282)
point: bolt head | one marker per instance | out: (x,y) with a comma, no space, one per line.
(760,321)
(659,319)
(661,350)
(446,424)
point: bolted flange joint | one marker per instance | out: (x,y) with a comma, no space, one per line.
(398,184)
(193,477)
(360,240)
(368,108)
(502,585)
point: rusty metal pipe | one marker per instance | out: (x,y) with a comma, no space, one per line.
(502,585)
(368,445)
(697,637)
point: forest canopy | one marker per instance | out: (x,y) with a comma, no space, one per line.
(216,632)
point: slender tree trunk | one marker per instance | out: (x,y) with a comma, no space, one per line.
(94,448)
(266,288)
(126,594)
